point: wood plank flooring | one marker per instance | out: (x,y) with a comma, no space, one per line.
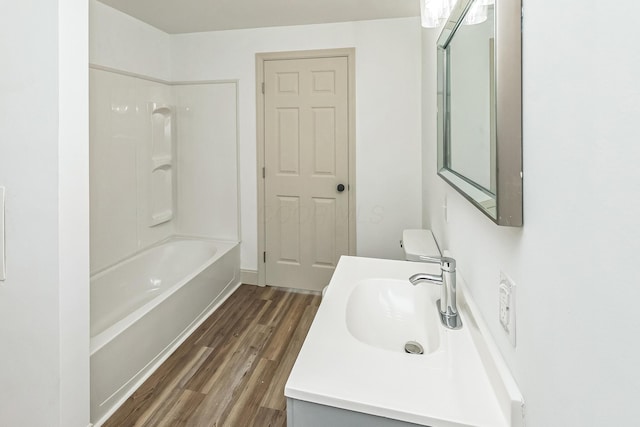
(232,370)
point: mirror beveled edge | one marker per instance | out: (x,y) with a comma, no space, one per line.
(508,86)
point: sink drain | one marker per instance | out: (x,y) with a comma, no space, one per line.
(413,347)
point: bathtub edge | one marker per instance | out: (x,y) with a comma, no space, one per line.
(224,295)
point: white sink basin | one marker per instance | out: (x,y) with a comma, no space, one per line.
(387,313)
(353,357)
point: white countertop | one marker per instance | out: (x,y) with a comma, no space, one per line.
(447,388)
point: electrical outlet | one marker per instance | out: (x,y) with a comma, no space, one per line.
(507,306)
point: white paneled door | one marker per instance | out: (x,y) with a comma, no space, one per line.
(306,121)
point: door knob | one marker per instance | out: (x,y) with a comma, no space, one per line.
(340,188)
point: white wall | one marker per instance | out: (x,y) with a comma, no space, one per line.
(387,116)
(43,163)
(207,160)
(573,261)
(73,208)
(122,42)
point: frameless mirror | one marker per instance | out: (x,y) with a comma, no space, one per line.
(480,106)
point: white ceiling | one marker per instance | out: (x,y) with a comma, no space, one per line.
(188,16)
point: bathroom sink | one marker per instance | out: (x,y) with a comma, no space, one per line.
(388,313)
(353,361)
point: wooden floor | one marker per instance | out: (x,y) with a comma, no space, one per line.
(232,370)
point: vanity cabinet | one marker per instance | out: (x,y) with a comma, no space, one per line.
(307,414)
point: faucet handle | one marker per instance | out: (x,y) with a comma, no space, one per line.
(446,263)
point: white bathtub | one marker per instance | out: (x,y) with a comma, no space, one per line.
(145,306)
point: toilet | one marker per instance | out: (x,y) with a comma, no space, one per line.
(417,243)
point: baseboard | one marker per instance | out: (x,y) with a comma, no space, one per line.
(249,277)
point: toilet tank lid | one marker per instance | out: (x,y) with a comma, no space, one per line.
(419,242)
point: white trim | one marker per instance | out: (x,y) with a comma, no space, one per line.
(350,54)
(238,174)
(161,81)
(73,229)
(127,73)
(249,277)
(297,291)
(202,82)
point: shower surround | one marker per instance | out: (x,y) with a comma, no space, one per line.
(164,221)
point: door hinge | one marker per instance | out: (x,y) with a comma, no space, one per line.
(262,87)
(264,256)
(264,173)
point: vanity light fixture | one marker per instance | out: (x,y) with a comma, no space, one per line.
(434,13)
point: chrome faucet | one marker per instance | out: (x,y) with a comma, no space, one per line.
(447,278)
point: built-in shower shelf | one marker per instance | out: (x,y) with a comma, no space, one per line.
(161,217)
(161,182)
(161,162)
(160,108)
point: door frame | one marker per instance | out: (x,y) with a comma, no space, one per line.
(261,58)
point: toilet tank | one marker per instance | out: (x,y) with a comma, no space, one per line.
(418,242)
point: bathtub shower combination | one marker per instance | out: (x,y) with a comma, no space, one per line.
(145,306)
(163,166)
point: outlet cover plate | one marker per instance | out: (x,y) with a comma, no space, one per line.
(507,306)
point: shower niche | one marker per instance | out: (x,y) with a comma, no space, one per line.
(161,188)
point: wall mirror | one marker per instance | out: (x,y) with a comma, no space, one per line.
(480,106)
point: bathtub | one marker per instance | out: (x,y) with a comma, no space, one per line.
(143,308)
